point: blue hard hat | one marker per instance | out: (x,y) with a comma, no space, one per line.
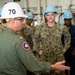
(49,8)
(67,14)
(30,15)
(0,10)
(61,22)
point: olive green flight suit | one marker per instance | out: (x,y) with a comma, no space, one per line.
(16,56)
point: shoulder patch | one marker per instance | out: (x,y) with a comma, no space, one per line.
(25,46)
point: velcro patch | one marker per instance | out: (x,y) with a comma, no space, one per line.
(25,46)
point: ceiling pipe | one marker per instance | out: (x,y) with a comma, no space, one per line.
(39,11)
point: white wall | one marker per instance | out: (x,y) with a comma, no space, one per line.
(22,2)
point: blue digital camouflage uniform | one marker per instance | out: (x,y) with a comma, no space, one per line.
(49,41)
(16,56)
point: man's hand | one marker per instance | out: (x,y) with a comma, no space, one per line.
(59,66)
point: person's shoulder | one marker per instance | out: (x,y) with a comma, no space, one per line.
(27,27)
(40,25)
(16,39)
(62,27)
(59,24)
(19,38)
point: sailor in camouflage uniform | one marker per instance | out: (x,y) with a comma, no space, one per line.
(47,39)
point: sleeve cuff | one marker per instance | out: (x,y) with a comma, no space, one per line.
(48,67)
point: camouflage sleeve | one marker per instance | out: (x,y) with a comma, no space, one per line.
(67,38)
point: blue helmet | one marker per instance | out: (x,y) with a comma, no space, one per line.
(49,8)
(30,15)
(0,10)
(67,15)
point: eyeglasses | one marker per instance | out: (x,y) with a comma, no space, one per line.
(21,19)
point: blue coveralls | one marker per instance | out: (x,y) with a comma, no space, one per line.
(70,54)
